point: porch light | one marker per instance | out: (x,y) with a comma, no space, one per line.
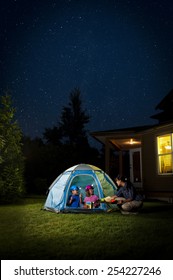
(131,141)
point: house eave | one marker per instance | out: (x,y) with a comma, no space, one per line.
(127,138)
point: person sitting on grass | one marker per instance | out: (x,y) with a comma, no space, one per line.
(131,201)
(126,198)
(91,200)
(75,199)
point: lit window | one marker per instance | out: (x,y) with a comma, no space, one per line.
(165,153)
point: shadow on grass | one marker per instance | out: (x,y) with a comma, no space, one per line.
(157,207)
(52,249)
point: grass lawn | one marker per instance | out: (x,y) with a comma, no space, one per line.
(27,232)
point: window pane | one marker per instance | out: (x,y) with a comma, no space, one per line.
(165,164)
(164,144)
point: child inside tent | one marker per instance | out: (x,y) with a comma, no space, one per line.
(75,199)
(91,200)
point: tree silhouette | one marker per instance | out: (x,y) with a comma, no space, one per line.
(74,119)
(53,135)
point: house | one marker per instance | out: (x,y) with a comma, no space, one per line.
(144,154)
(166,105)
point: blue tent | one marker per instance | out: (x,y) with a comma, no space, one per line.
(79,175)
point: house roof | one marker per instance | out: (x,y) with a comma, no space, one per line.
(123,138)
(165,102)
(126,138)
(166,107)
(163,116)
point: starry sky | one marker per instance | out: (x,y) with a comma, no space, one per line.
(119,53)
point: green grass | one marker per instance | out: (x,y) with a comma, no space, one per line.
(27,232)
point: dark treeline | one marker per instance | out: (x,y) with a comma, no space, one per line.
(61,147)
(29,166)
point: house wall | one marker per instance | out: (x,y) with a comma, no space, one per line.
(155,185)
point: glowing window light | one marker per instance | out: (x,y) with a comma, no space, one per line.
(168,146)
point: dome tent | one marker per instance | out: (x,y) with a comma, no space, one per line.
(79,175)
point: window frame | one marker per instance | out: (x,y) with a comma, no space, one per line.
(159,155)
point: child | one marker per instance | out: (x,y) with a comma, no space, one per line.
(91,198)
(75,199)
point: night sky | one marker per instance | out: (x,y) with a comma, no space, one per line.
(118,53)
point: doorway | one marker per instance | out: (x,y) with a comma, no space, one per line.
(136,167)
